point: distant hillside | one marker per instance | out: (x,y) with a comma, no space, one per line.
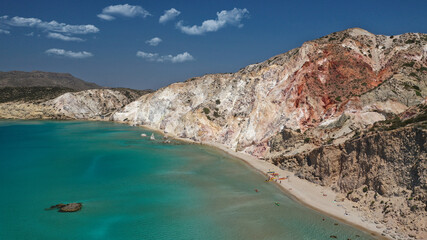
(43,79)
(31,94)
(41,94)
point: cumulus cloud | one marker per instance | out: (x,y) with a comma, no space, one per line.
(52,26)
(169,15)
(155,57)
(224,18)
(124,10)
(29,34)
(64,37)
(4,31)
(106,17)
(69,54)
(154,41)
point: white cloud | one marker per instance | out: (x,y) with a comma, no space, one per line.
(224,18)
(154,41)
(154,57)
(29,34)
(64,37)
(106,17)
(124,10)
(4,31)
(182,57)
(169,15)
(52,26)
(69,54)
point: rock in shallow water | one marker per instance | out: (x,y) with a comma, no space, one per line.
(71,207)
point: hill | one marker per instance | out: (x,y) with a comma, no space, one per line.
(44,79)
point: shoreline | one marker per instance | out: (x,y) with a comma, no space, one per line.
(308,194)
(300,190)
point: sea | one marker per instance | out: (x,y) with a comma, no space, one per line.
(132,187)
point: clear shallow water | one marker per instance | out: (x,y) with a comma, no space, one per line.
(133,188)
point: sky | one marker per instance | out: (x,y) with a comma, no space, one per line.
(149,44)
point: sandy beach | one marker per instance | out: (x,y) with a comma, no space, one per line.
(319,198)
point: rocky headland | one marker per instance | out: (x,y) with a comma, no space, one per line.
(346,111)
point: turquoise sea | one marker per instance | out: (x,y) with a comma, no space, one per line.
(134,188)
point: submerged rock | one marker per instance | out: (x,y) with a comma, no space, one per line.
(71,207)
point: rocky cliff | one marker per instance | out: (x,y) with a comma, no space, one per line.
(94,104)
(382,169)
(305,110)
(355,73)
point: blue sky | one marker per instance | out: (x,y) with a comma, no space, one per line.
(108,42)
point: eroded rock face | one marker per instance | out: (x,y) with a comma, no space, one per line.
(94,104)
(354,72)
(379,160)
(383,169)
(90,104)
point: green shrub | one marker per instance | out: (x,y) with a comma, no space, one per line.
(356,134)
(306,140)
(418,93)
(409,64)
(216,114)
(365,189)
(416,88)
(206,110)
(412,74)
(218,101)
(338,99)
(409,41)
(332,39)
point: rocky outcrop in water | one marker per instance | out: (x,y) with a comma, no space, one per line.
(70,207)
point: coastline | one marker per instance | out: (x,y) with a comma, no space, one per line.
(300,190)
(309,194)
(304,192)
